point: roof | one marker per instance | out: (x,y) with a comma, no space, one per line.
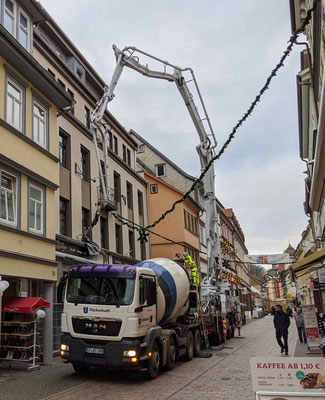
(25,305)
(132,132)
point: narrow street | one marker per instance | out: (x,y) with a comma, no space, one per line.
(226,375)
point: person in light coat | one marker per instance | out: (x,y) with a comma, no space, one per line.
(299,318)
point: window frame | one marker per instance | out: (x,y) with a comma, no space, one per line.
(164,168)
(66,202)
(38,102)
(13,17)
(42,189)
(28,34)
(11,81)
(87,117)
(64,149)
(84,174)
(15,192)
(155,187)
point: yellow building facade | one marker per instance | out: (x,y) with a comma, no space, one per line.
(29,160)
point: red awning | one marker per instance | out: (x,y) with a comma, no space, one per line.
(23,304)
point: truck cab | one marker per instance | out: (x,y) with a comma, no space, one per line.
(108,310)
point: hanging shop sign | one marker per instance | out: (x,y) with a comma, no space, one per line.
(311,325)
(288,374)
(267,258)
(321,278)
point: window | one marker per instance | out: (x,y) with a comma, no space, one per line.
(103,233)
(87,117)
(110,140)
(128,157)
(39,124)
(84,164)
(117,187)
(51,73)
(131,244)
(63,147)
(129,195)
(115,145)
(8,203)
(63,217)
(191,222)
(72,95)
(140,203)
(141,148)
(160,170)
(9,16)
(17,23)
(84,219)
(118,239)
(154,189)
(62,84)
(14,115)
(36,204)
(143,290)
(124,152)
(24,25)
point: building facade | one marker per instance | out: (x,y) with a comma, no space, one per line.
(29,161)
(156,165)
(311,117)
(80,193)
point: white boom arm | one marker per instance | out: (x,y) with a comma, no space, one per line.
(127,58)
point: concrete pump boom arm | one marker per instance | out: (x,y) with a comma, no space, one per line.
(127,58)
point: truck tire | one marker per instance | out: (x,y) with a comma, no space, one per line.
(81,369)
(190,346)
(154,362)
(197,342)
(171,355)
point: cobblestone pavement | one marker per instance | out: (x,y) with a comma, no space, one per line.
(225,376)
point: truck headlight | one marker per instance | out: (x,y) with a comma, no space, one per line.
(64,347)
(129,353)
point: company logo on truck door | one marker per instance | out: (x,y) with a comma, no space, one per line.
(91,309)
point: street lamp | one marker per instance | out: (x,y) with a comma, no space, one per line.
(3,286)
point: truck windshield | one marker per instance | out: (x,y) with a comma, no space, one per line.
(114,291)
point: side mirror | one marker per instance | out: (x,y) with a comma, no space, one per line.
(61,288)
(152,293)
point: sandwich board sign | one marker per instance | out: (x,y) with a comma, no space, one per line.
(282,378)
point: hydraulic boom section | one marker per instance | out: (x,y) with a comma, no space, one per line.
(129,57)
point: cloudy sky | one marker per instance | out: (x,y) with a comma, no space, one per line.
(232,48)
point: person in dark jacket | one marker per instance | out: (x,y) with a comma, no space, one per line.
(281,324)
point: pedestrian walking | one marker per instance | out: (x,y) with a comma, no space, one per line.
(299,318)
(281,324)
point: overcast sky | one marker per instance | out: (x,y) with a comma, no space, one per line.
(232,46)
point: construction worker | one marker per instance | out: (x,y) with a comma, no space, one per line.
(195,275)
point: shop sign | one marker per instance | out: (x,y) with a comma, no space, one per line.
(248,315)
(288,374)
(311,325)
(289,396)
(321,277)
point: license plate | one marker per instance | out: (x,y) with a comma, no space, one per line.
(94,350)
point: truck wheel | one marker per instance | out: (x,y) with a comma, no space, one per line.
(80,368)
(154,362)
(190,346)
(197,343)
(171,355)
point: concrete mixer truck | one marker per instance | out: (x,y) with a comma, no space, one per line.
(141,317)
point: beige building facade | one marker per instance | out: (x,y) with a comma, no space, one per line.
(79,193)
